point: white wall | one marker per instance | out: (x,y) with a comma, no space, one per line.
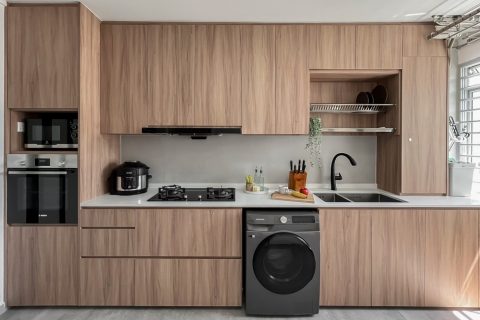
(227,159)
(469,53)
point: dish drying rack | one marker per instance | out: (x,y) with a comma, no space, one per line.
(370,108)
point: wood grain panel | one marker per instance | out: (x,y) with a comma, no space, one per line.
(379,46)
(258,79)
(389,163)
(107,282)
(42,266)
(217,76)
(107,242)
(124,78)
(415,43)
(107,218)
(451,262)
(424,147)
(42,65)
(331,46)
(398,257)
(291,80)
(188,282)
(345,246)
(189,232)
(170,54)
(98,153)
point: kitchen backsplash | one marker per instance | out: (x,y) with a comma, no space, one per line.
(227,159)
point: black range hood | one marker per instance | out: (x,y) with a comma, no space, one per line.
(193,132)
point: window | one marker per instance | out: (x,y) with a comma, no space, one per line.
(469,117)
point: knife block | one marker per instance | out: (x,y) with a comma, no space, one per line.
(297,180)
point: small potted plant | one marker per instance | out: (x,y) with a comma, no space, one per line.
(314,142)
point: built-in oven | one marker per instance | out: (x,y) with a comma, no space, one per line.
(42,189)
(51,131)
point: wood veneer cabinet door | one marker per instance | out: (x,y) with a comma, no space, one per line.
(42,266)
(379,46)
(43,47)
(415,43)
(170,54)
(217,76)
(189,233)
(258,79)
(188,282)
(398,257)
(424,125)
(331,46)
(292,81)
(124,78)
(107,282)
(345,264)
(451,263)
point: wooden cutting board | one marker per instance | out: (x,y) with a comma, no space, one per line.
(287,197)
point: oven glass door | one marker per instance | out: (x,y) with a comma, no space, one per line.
(38,197)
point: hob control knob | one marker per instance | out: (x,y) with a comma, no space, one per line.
(283,219)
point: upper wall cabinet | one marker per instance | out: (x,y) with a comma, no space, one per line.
(258,79)
(415,43)
(43,56)
(217,76)
(124,78)
(331,46)
(291,80)
(170,55)
(379,46)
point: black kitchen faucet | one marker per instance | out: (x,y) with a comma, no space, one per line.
(333,177)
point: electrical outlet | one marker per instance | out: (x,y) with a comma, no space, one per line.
(20,126)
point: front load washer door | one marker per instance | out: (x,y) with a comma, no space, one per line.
(284,263)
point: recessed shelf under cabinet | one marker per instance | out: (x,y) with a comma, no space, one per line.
(358,130)
(370,108)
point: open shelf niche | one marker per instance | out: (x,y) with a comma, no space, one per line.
(333,94)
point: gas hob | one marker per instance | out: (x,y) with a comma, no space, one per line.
(177,193)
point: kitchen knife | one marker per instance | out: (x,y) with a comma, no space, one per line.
(303,166)
(299,166)
(291,165)
(294,169)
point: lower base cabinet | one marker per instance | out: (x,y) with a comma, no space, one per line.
(188,282)
(107,282)
(42,266)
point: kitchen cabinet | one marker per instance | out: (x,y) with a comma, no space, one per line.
(331,46)
(170,56)
(378,46)
(424,147)
(217,76)
(345,264)
(415,43)
(124,94)
(188,282)
(398,257)
(42,62)
(189,233)
(41,266)
(107,282)
(258,79)
(451,262)
(292,81)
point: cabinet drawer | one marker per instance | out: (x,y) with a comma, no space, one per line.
(189,233)
(107,242)
(107,218)
(188,282)
(107,282)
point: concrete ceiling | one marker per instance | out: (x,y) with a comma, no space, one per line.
(271,11)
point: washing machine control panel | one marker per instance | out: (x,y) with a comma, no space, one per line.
(283,219)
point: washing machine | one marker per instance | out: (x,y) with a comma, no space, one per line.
(282,262)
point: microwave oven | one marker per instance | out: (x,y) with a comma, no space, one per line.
(52,131)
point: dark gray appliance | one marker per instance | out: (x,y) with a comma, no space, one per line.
(282,262)
(52,131)
(129,178)
(42,189)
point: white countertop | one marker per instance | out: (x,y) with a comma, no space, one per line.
(244,200)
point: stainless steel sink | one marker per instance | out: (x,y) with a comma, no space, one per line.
(369,197)
(331,197)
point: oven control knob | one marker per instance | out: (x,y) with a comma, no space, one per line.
(22,163)
(61,163)
(283,219)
